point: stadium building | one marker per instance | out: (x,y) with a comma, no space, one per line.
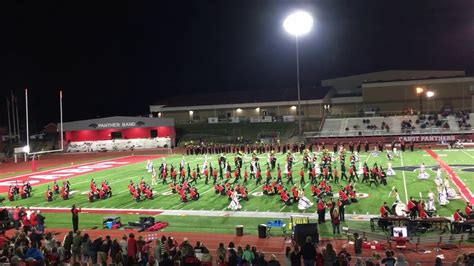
(395,91)
(376,93)
(243,106)
(111,133)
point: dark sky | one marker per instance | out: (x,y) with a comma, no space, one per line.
(116,58)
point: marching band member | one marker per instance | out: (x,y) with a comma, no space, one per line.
(153,177)
(384,210)
(442,197)
(421,210)
(394,193)
(49,194)
(468,210)
(321,211)
(412,208)
(395,152)
(423,175)
(457,216)
(390,171)
(303,203)
(149,166)
(430,207)
(438,173)
(234,203)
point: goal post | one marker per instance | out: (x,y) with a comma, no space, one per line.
(27,149)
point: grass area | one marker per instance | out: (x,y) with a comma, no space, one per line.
(195,224)
(462,162)
(119,178)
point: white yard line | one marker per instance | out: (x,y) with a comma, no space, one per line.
(284,206)
(368,157)
(212,188)
(404,178)
(467,154)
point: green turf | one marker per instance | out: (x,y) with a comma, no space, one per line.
(460,157)
(120,176)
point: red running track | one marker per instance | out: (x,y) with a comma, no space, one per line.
(97,210)
(456,180)
(43,177)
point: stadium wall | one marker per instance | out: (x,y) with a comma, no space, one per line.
(128,127)
(396,138)
(309,110)
(129,133)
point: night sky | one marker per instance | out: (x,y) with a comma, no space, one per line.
(114,58)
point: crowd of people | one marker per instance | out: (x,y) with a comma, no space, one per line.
(462,118)
(432,120)
(30,244)
(371,126)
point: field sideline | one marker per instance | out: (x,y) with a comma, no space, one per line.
(405,181)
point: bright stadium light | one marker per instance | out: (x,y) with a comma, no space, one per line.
(298,24)
(419,92)
(429,94)
(26,149)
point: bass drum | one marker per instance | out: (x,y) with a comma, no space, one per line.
(399,209)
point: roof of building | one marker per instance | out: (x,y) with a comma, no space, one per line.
(425,81)
(244,96)
(416,79)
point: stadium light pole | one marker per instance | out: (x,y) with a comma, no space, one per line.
(419,91)
(429,95)
(27,124)
(61,119)
(298,24)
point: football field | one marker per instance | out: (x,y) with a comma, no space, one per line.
(406,167)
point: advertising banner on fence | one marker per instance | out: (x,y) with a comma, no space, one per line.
(396,138)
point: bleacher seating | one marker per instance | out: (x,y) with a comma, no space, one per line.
(332,126)
(118,145)
(394,125)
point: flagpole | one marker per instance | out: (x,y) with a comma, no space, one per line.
(61,118)
(13,115)
(17,119)
(27,125)
(9,122)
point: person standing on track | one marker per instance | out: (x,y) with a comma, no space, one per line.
(75,217)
